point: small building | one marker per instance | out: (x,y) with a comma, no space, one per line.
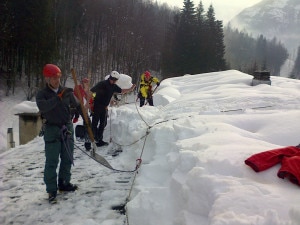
(30,125)
(30,121)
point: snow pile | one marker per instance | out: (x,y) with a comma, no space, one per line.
(26,107)
(192,144)
(124,81)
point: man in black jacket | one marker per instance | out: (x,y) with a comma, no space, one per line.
(104,91)
(54,103)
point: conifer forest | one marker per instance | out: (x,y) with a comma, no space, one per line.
(98,36)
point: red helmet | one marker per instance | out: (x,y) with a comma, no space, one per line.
(85,80)
(51,70)
(147,74)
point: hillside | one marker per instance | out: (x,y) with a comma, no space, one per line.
(272,18)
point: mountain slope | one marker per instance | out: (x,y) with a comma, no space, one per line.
(272,18)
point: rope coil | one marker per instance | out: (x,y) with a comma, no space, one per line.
(66,137)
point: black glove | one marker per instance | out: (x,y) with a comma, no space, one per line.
(65,92)
(158,83)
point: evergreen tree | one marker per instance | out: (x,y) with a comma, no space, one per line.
(276,56)
(30,41)
(296,70)
(198,42)
(247,54)
(261,51)
(215,48)
(185,39)
(67,17)
(201,37)
(168,64)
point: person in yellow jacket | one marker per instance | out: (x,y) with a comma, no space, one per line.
(146,88)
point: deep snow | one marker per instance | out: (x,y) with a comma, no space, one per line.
(193,144)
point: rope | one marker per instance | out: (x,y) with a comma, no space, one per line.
(139,162)
(141,115)
(149,127)
(126,145)
(65,136)
(110,136)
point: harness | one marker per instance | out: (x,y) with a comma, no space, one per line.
(64,136)
(147,83)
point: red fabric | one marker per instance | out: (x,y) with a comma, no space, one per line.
(83,94)
(290,169)
(91,103)
(289,157)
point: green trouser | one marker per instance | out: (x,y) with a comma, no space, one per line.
(55,147)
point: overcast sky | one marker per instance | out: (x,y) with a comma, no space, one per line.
(225,9)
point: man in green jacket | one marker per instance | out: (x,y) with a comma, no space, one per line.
(54,103)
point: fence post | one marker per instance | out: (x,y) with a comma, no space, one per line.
(10,138)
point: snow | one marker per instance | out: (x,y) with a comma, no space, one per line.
(26,107)
(123,82)
(192,143)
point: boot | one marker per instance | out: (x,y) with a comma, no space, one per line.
(87,145)
(52,197)
(64,186)
(101,143)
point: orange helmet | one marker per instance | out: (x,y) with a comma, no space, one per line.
(147,74)
(51,70)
